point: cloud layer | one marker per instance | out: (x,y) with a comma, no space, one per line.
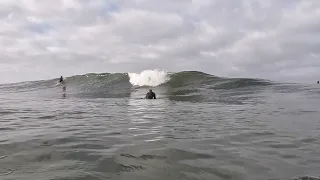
(277,40)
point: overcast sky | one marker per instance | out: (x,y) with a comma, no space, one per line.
(270,39)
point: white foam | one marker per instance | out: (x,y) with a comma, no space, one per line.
(149,78)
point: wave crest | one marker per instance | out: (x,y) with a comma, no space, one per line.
(149,78)
(190,85)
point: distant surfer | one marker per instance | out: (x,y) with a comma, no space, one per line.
(64,88)
(61,79)
(318,82)
(151,95)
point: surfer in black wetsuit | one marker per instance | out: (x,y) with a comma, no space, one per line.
(61,79)
(151,95)
(64,88)
(318,82)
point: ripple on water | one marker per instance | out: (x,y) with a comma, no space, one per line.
(289,156)
(4,172)
(6,129)
(46,117)
(110,165)
(84,177)
(7,112)
(66,140)
(308,140)
(89,146)
(283,145)
(85,156)
(3,156)
(144,157)
(45,143)
(306,178)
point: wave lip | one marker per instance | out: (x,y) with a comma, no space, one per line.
(149,78)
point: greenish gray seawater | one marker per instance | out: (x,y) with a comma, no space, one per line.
(202,128)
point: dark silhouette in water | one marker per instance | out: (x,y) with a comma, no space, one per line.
(61,79)
(64,88)
(151,95)
(318,82)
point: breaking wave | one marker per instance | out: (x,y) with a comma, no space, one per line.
(149,78)
(192,85)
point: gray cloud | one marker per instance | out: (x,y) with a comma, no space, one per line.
(277,40)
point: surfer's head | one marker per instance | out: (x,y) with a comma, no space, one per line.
(150,90)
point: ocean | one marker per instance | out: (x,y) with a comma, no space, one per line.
(200,127)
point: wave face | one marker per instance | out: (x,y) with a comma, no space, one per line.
(177,86)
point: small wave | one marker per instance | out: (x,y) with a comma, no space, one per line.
(4,172)
(144,157)
(113,165)
(306,178)
(149,78)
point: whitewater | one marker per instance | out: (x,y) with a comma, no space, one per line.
(201,126)
(149,78)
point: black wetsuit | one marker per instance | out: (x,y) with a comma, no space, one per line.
(151,95)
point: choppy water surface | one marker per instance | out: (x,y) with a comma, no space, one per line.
(206,133)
